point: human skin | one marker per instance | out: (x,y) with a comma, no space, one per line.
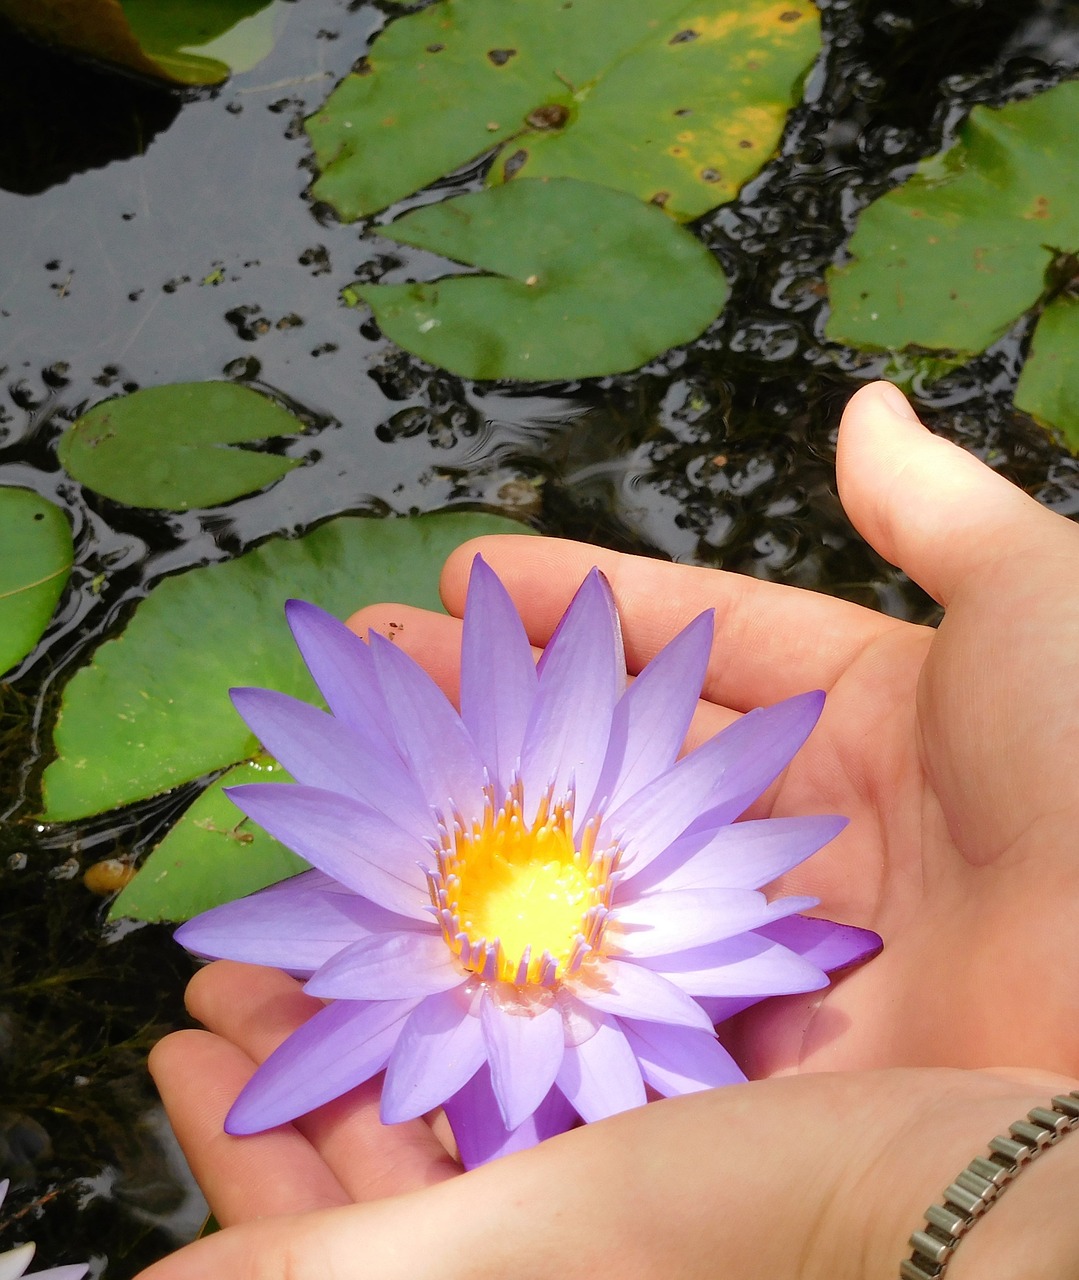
(955,753)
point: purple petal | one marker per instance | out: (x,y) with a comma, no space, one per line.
(663,923)
(676,1060)
(343,669)
(295,925)
(524,1051)
(430,733)
(340,1047)
(828,945)
(749,965)
(600,1076)
(389,966)
(743,855)
(652,717)
(632,991)
(320,751)
(354,844)
(477,1125)
(498,674)
(718,781)
(581,674)
(440,1049)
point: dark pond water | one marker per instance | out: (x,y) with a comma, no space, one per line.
(150,237)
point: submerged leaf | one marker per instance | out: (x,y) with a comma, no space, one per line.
(34,568)
(212,855)
(165,446)
(677,102)
(1049,382)
(183,41)
(584,281)
(151,711)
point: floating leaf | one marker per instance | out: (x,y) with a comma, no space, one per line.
(212,855)
(585,281)
(184,41)
(949,260)
(1049,382)
(151,711)
(165,446)
(36,554)
(675,102)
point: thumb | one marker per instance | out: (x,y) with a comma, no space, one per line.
(924,503)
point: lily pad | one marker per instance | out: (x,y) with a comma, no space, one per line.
(181,41)
(949,260)
(1049,382)
(212,855)
(166,446)
(675,102)
(151,710)
(584,280)
(34,568)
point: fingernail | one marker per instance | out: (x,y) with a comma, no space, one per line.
(897,402)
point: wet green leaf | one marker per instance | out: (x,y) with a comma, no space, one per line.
(584,280)
(212,855)
(166,446)
(950,259)
(183,41)
(1049,382)
(675,102)
(35,563)
(151,710)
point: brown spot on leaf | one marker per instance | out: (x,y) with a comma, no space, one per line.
(790,15)
(660,198)
(684,37)
(435,48)
(711,175)
(551,115)
(514,163)
(745,144)
(683,111)
(1041,208)
(499,57)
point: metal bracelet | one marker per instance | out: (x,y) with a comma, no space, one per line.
(981,1182)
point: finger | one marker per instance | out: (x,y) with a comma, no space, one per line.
(927,505)
(257,1009)
(198,1076)
(772,641)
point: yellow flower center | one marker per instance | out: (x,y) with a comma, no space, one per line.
(522,902)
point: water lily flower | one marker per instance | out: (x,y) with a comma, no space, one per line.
(531,911)
(13,1264)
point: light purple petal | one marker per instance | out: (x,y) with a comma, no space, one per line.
(828,945)
(477,1125)
(498,674)
(581,674)
(663,923)
(749,965)
(440,1049)
(676,1060)
(13,1264)
(600,1076)
(321,751)
(430,733)
(632,991)
(390,966)
(743,855)
(343,669)
(652,717)
(340,1047)
(524,1052)
(718,781)
(346,839)
(295,925)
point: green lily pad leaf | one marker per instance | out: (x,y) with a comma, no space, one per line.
(675,101)
(151,710)
(212,855)
(166,446)
(181,41)
(34,568)
(950,259)
(1049,382)
(584,280)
